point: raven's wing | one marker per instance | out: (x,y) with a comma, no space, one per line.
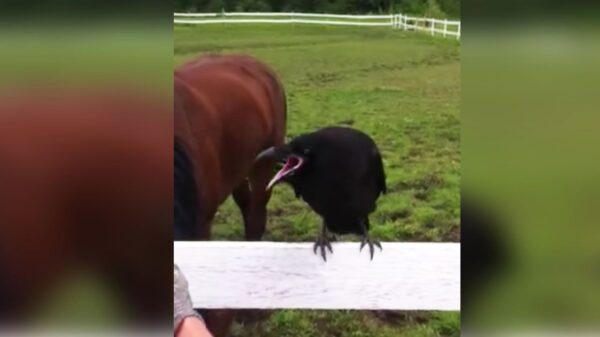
(377,165)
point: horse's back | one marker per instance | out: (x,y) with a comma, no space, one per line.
(239,88)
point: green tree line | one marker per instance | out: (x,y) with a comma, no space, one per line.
(430,8)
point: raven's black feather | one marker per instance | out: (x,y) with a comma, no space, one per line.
(342,176)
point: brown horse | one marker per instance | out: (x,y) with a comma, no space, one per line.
(85,185)
(227,110)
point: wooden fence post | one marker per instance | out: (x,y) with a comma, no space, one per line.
(445,27)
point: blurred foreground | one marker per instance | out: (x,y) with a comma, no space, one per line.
(85,180)
(530,156)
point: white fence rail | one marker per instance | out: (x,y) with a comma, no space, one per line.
(271,275)
(434,26)
(399,21)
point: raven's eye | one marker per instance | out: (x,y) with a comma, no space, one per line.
(306,151)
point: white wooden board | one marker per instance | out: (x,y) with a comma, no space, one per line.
(275,275)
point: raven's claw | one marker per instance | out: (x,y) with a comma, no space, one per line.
(366,240)
(322,243)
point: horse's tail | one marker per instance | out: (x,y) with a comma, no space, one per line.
(185,194)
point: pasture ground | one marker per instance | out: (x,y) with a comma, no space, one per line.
(402,88)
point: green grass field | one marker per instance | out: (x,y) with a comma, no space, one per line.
(402,88)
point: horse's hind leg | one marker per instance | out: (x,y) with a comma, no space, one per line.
(218,322)
(256,217)
(248,200)
(241,196)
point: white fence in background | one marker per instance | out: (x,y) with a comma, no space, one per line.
(433,26)
(399,21)
(278,275)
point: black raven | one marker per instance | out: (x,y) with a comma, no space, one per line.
(338,171)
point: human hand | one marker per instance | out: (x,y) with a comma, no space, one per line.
(192,327)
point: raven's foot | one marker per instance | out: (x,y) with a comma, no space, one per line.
(367,241)
(321,243)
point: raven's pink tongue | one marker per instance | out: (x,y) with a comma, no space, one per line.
(289,164)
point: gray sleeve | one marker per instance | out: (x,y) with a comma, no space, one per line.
(182,303)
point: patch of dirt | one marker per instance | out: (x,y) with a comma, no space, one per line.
(277,212)
(453,235)
(422,186)
(248,316)
(426,182)
(402,317)
(400,214)
(422,194)
(322,78)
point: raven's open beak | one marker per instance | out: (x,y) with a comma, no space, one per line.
(292,164)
